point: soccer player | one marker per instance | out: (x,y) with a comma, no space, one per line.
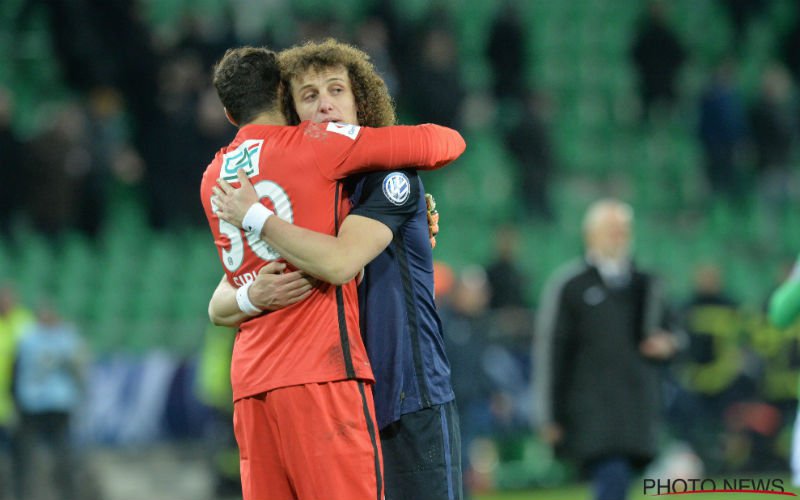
(784,308)
(413,396)
(303,413)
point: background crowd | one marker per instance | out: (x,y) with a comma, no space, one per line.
(686,109)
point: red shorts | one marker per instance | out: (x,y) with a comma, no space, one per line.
(310,442)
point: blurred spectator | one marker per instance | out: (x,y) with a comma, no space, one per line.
(101,42)
(373,38)
(465,324)
(110,136)
(722,131)
(741,13)
(511,314)
(214,390)
(176,150)
(437,92)
(10,164)
(712,371)
(49,384)
(14,318)
(773,121)
(790,49)
(213,128)
(507,283)
(658,56)
(530,144)
(506,52)
(600,331)
(59,163)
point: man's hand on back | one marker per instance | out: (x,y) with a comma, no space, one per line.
(433,218)
(275,289)
(232,203)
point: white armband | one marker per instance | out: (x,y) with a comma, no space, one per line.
(255,218)
(243,300)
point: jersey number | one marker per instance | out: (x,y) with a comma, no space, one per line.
(233,257)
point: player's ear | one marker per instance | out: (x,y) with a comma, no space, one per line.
(230,118)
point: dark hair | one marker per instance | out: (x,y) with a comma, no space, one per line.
(247,79)
(373,102)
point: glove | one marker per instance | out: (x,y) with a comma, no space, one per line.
(433,218)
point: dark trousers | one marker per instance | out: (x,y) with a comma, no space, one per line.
(52,430)
(422,455)
(611,477)
(6,479)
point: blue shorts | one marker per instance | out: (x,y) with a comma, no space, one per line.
(422,455)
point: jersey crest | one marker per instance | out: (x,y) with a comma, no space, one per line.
(396,188)
(246,156)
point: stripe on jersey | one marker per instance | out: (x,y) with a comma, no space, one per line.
(344,339)
(373,438)
(413,322)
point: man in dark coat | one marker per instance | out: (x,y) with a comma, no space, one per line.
(598,338)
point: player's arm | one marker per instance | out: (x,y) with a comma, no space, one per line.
(784,305)
(272,290)
(551,344)
(423,147)
(333,259)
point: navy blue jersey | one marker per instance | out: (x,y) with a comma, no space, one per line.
(399,322)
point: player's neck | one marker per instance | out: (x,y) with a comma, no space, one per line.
(268,118)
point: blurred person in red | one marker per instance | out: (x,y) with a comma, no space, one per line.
(313,355)
(600,334)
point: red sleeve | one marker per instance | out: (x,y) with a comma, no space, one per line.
(342,150)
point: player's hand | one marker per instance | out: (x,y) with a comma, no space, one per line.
(275,289)
(231,203)
(433,218)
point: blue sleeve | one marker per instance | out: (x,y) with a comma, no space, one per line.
(388,197)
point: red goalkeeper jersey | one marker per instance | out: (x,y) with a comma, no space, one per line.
(296,172)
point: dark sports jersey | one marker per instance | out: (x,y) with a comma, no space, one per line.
(399,322)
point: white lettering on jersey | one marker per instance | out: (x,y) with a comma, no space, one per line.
(344,129)
(396,188)
(233,257)
(243,279)
(246,156)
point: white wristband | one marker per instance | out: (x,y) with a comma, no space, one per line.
(255,218)
(243,300)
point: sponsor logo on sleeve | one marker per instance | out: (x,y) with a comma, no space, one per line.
(396,188)
(345,129)
(246,156)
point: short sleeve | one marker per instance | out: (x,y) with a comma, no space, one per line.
(388,197)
